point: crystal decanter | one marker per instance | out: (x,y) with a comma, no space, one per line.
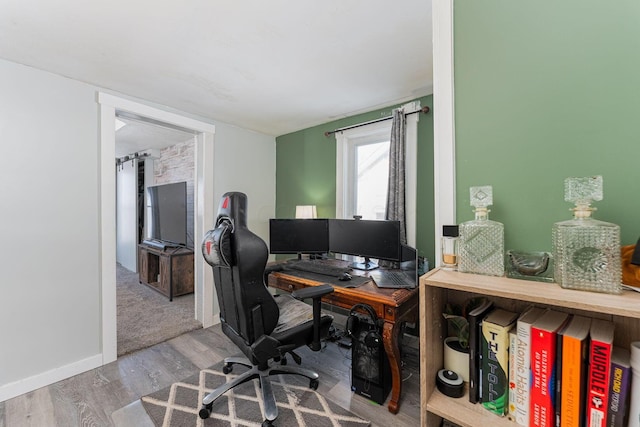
(586,251)
(481,245)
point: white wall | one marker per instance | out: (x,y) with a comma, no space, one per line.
(49,306)
(246,161)
(49,193)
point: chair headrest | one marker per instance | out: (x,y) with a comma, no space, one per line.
(232,213)
(216,246)
(233,205)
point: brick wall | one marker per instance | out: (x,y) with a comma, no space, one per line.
(176,163)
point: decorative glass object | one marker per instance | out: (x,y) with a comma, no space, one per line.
(449,247)
(537,266)
(481,246)
(586,251)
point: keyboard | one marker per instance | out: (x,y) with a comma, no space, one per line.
(317,267)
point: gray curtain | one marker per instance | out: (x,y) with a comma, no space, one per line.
(395,195)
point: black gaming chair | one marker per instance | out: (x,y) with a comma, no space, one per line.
(263,326)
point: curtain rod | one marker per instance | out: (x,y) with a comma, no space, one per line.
(424,110)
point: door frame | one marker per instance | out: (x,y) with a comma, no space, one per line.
(203,218)
(444,148)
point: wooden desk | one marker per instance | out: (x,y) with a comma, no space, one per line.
(394,306)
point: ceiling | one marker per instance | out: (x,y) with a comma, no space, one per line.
(273,66)
(137,135)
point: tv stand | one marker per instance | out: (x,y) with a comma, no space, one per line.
(167,270)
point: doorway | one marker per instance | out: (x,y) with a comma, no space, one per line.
(152,155)
(203,211)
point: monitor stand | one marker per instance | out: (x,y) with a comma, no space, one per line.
(366,265)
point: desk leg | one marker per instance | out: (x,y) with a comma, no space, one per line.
(390,334)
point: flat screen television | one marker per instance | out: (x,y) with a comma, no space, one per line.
(365,238)
(298,236)
(167,213)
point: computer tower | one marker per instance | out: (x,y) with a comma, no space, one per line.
(370,369)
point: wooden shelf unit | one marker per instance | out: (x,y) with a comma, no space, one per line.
(440,286)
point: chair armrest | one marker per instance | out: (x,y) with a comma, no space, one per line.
(271,269)
(312,291)
(315,292)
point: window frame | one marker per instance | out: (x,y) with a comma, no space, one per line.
(347,140)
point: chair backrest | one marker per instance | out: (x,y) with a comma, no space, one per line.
(239,258)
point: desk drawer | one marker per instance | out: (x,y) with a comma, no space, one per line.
(284,284)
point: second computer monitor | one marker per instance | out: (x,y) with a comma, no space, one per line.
(365,238)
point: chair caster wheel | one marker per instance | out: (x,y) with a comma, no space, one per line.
(228,367)
(267,423)
(313,384)
(205,412)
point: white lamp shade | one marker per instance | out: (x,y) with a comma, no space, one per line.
(306,211)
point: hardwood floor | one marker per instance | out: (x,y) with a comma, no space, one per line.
(108,396)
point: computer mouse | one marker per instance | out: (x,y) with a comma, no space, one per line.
(345,277)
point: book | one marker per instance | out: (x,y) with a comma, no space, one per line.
(513,351)
(574,341)
(475,317)
(523,363)
(599,369)
(558,374)
(619,387)
(494,381)
(543,366)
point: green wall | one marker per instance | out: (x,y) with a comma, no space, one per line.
(545,90)
(306,171)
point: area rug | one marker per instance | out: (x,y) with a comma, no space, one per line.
(146,317)
(298,405)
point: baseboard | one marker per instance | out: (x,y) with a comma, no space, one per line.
(16,388)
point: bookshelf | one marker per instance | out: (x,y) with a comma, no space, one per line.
(439,286)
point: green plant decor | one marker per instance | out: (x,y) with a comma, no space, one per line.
(456,316)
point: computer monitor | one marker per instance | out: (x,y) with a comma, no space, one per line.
(365,238)
(298,236)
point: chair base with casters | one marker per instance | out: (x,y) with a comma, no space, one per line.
(291,307)
(268,398)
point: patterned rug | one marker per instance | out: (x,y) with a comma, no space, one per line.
(298,405)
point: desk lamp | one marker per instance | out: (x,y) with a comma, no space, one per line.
(306,212)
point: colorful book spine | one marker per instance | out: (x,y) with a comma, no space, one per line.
(543,367)
(495,360)
(575,350)
(599,372)
(558,374)
(619,388)
(523,363)
(475,317)
(513,351)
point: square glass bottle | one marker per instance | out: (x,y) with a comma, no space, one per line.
(586,250)
(481,246)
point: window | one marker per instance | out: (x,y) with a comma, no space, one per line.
(362,167)
(370,180)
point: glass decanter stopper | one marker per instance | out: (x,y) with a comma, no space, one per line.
(481,246)
(586,250)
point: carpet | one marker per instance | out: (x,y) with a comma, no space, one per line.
(145,317)
(298,405)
